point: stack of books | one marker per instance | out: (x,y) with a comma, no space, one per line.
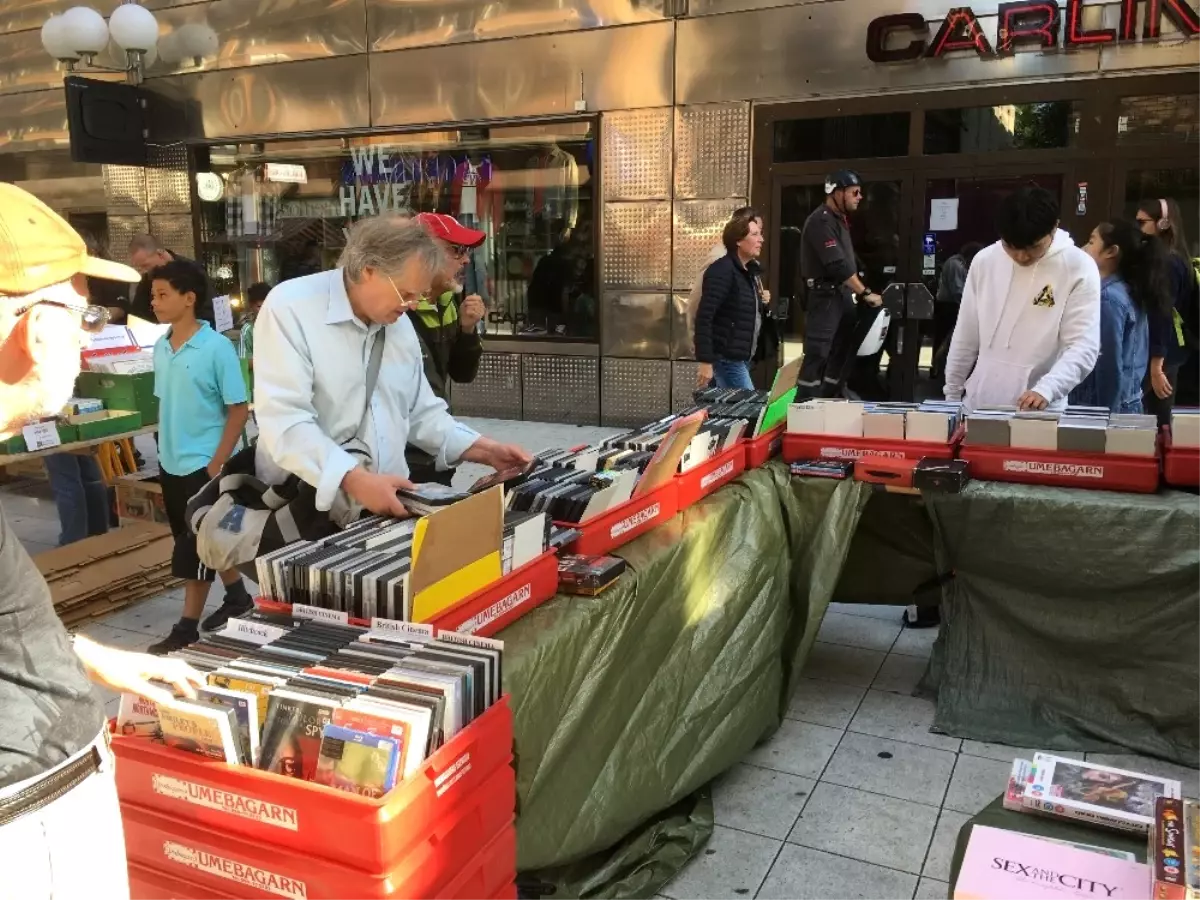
(355,709)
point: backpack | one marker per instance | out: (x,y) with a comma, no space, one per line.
(237,517)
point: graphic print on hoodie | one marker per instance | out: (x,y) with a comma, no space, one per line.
(1025,328)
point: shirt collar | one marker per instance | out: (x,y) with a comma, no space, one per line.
(195,339)
(339,309)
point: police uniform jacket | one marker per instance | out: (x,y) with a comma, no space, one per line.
(826,251)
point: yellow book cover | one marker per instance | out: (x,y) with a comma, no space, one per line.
(260,689)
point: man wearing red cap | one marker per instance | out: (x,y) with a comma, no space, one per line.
(450,346)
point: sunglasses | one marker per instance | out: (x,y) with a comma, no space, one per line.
(92,319)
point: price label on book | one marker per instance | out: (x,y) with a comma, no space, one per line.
(337,616)
(414,630)
(41,436)
(255,632)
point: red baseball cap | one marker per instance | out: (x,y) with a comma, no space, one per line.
(449,229)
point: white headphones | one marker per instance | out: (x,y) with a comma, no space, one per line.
(1164,223)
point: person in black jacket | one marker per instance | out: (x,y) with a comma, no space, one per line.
(729,317)
(146,254)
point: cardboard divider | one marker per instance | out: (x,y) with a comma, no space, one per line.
(221,861)
(714,473)
(1181,465)
(623,523)
(1098,471)
(317,823)
(798,447)
(765,447)
(488,611)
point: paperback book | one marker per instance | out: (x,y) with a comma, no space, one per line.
(357,761)
(1107,796)
(202,728)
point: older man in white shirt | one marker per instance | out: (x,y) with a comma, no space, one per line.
(305,416)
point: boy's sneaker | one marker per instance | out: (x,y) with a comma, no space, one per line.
(181,636)
(231,608)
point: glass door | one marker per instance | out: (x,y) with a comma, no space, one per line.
(879,231)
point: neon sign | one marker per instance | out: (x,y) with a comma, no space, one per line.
(1026,23)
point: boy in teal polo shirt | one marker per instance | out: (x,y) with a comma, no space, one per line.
(202,411)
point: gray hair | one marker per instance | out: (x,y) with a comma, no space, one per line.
(146,243)
(385,243)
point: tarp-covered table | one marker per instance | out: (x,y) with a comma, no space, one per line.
(628,703)
(1072,621)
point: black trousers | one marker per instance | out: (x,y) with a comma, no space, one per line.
(834,331)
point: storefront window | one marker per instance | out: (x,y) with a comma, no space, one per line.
(986,129)
(1159,120)
(280,210)
(841,137)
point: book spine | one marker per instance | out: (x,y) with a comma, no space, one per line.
(1166,849)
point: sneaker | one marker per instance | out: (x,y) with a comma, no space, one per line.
(181,636)
(229,609)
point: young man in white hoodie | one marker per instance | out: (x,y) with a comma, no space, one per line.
(1029,327)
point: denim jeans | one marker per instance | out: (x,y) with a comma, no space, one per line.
(80,495)
(732,373)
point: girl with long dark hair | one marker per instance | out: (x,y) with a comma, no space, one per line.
(1132,289)
(1173,332)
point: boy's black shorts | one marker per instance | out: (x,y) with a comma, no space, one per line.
(177,491)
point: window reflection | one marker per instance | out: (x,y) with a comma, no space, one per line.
(285,207)
(985,129)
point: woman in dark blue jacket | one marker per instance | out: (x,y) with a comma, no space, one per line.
(1132,289)
(729,317)
(1170,341)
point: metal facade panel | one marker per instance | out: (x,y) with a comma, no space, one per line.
(121,230)
(635,325)
(819,51)
(683,384)
(36,120)
(495,392)
(168,184)
(175,233)
(125,190)
(25,65)
(637,246)
(681,338)
(712,150)
(314,95)
(402,24)
(696,230)
(411,87)
(635,146)
(21,15)
(634,391)
(560,389)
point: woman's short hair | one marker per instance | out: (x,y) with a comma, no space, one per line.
(736,229)
(385,243)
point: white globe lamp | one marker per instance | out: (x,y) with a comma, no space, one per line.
(56,41)
(85,29)
(133,27)
(198,41)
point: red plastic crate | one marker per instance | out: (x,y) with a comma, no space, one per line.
(488,611)
(619,526)
(269,809)
(831,446)
(1098,471)
(492,873)
(150,884)
(215,859)
(1181,465)
(710,475)
(764,447)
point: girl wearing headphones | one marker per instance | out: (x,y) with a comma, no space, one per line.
(1170,341)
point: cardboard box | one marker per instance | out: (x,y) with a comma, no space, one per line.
(928,425)
(883,425)
(844,419)
(1130,440)
(1082,434)
(989,430)
(132,392)
(1185,429)
(1035,431)
(140,498)
(806,418)
(106,423)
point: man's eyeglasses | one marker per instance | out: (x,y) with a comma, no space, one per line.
(92,319)
(411,300)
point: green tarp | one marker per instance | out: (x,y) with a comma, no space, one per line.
(628,703)
(1073,619)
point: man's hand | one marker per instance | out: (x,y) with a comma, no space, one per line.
(470,311)
(498,456)
(122,670)
(871,299)
(1032,400)
(377,492)
(1159,381)
(704,374)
